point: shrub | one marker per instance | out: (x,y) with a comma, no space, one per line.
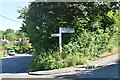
(94,33)
(2,53)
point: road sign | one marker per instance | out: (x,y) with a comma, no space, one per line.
(67,30)
(55,35)
(62,30)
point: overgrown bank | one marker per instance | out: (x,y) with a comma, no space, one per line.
(96,31)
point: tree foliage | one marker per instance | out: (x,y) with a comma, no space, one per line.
(95,25)
(14,40)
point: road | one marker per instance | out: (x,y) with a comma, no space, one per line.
(15,64)
(17,67)
(110,71)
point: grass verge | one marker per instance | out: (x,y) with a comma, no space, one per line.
(1,54)
(57,61)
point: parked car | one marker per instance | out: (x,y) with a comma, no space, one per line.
(11,52)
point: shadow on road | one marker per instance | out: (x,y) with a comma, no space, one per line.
(110,71)
(17,64)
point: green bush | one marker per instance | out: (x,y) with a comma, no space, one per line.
(84,45)
(2,54)
(55,60)
(94,33)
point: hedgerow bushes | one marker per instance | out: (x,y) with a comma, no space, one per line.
(96,29)
(85,45)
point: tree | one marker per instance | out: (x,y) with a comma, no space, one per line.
(43,19)
(94,26)
(22,41)
(8,31)
(1,36)
(23,45)
(11,36)
(1,32)
(19,34)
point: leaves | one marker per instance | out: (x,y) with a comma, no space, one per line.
(95,24)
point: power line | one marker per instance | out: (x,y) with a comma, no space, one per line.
(9,19)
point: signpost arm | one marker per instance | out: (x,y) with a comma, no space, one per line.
(60,39)
(62,30)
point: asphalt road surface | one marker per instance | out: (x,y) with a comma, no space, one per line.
(15,64)
(110,71)
(17,67)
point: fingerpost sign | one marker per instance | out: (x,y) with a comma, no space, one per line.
(62,30)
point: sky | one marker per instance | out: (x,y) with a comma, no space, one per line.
(9,10)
